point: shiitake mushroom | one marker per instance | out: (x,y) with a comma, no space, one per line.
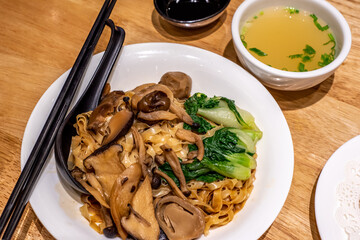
(154,101)
(178,82)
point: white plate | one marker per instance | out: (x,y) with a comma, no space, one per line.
(331,176)
(211,74)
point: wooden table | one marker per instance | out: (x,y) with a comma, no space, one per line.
(40,39)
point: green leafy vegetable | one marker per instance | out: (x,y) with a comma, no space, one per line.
(192,147)
(309,50)
(292,10)
(332,40)
(192,104)
(193,171)
(221,115)
(326,59)
(308,53)
(228,169)
(242,37)
(301,67)
(258,52)
(247,138)
(219,110)
(306,59)
(227,153)
(317,24)
(232,107)
(210,177)
(199,100)
(204,125)
(296,56)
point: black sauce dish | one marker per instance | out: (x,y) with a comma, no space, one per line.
(190,13)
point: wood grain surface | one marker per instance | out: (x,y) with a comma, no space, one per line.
(40,39)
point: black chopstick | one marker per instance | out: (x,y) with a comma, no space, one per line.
(27,180)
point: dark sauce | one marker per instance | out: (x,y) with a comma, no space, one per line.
(187,10)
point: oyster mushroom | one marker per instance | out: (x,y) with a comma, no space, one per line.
(81,178)
(122,193)
(119,125)
(181,113)
(191,137)
(174,162)
(106,107)
(142,223)
(110,229)
(178,82)
(103,167)
(141,87)
(171,182)
(179,219)
(140,145)
(159,159)
(156,116)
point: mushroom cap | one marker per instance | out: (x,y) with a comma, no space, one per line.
(179,219)
(122,193)
(106,165)
(154,101)
(140,94)
(178,82)
(106,108)
(142,223)
(119,125)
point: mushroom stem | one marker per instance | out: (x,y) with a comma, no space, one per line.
(157,116)
(107,217)
(139,142)
(96,194)
(171,183)
(189,136)
(181,113)
(94,183)
(109,230)
(174,162)
(160,159)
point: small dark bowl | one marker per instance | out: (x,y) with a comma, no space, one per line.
(190,13)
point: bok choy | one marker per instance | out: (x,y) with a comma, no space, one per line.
(220,110)
(228,153)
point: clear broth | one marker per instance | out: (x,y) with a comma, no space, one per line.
(283,33)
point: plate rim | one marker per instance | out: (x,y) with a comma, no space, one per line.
(321,186)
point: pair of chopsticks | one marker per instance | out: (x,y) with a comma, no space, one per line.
(32,169)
